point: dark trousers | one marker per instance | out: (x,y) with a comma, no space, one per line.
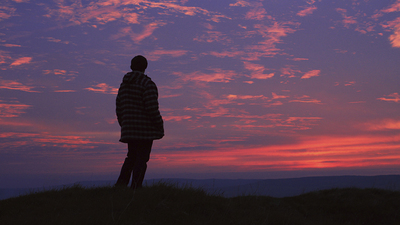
(135,163)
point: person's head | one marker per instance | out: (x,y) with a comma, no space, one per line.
(139,63)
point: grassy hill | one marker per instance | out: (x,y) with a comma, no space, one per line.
(166,204)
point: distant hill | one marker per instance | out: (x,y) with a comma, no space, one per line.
(166,204)
(260,187)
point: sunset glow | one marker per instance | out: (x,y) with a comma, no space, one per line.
(257,88)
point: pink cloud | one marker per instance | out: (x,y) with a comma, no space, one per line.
(156,54)
(66,75)
(138,37)
(213,36)
(110,10)
(395,97)
(314,152)
(289,72)
(275,96)
(14,85)
(219,75)
(347,20)
(4,56)
(382,125)
(13,109)
(51,39)
(307,11)
(257,13)
(257,71)
(241,3)
(395,37)
(22,60)
(103,88)
(306,99)
(11,45)
(395,7)
(272,35)
(6,12)
(312,73)
(224,54)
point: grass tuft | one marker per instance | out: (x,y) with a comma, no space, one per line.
(164,203)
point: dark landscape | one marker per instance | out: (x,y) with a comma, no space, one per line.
(163,203)
(259,187)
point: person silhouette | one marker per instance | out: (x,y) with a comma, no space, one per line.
(138,115)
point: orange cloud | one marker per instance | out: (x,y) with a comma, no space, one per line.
(307,11)
(312,73)
(22,60)
(14,85)
(103,88)
(395,97)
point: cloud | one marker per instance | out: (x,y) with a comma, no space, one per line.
(312,73)
(51,39)
(103,88)
(289,72)
(22,60)
(395,7)
(4,56)
(111,10)
(307,11)
(14,85)
(157,54)
(11,45)
(12,109)
(306,99)
(383,125)
(257,13)
(257,71)
(347,20)
(241,3)
(395,97)
(272,35)
(138,37)
(395,37)
(213,36)
(218,75)
(64,74)
(6,12)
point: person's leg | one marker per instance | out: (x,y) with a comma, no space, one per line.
(127,168)
(142,156)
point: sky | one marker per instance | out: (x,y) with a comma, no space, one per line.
(247,89)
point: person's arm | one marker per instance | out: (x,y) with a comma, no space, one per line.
(150,98)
